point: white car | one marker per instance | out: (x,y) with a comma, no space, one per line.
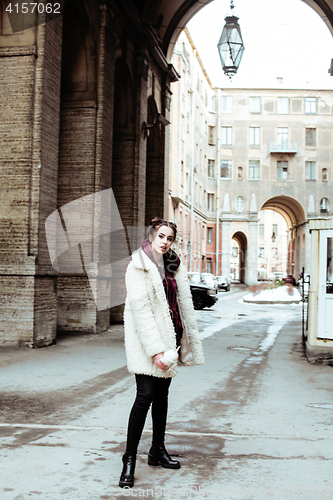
(223,283)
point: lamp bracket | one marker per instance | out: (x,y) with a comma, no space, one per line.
(160,119)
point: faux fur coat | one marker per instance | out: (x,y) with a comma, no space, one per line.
(148,325)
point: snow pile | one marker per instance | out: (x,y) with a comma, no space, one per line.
(279,295)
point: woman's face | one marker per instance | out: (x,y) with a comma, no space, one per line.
(163,240)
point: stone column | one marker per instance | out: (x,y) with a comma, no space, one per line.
(30,102)
(251,276)
(226,250)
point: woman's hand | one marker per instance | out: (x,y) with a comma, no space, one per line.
(158,361)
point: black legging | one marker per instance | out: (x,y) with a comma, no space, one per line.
(148,389)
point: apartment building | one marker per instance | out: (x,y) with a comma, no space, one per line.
(237,151)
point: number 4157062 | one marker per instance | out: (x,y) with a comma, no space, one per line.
(30,8)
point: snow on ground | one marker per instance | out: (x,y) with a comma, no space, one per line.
(276,295)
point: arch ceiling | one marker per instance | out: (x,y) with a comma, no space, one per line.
(290,209)
(241,239)
(169,17)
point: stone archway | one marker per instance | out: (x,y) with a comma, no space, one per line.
(169,18)
(242,241)
(298,236)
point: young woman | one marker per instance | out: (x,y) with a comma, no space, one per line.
(158,317)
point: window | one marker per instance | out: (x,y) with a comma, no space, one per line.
(211,168)
(310,170)
(310,105)
(209,265)
(209,235)
(211,134)
(324,206)
(240,173)
(254,169)
(255,104)
(282,107)
(310,137)
(275,229)
(239,204)
(212,103)
(324,175)
(262,230)
(261,253)
(234,252)
(182,173)
(183,128)
(226,169)
(274,253)
(227,104)
(282,170)
(226,138)
(254,136)
(282,137)
(210,202)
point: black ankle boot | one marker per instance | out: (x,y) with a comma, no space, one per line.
(159,455)
(127,476)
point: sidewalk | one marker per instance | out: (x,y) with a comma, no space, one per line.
(243,426)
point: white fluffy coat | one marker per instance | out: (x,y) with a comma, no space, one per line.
(148,325)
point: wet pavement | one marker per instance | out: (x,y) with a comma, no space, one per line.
(254,421)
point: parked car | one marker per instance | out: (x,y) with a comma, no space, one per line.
(207,278)
(223,283)
(290,280)
(203,295)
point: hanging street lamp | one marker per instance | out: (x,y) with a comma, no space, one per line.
(231,46)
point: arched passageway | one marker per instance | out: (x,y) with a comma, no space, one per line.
(241,240)
(298,240)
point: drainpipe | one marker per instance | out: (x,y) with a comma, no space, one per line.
(217,182)
(192,169)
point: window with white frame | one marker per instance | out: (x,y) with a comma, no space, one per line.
(254,169)
(211,169)
(227,104)
(239,204)
(209,235)
(275,229)
(282,170)
(226,169)
(282,106)
(324,206)
(213,103)
(226,136)
(211,134)
(261,253)
(255,104)
(183,128)
(210,202)
(282,137)
(310,170)
(262,230)
(310,137)
(254,136)
(310,105)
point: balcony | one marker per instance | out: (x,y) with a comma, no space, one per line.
(283,147)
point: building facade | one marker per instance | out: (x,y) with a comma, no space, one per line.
(250,150)
(192,199)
